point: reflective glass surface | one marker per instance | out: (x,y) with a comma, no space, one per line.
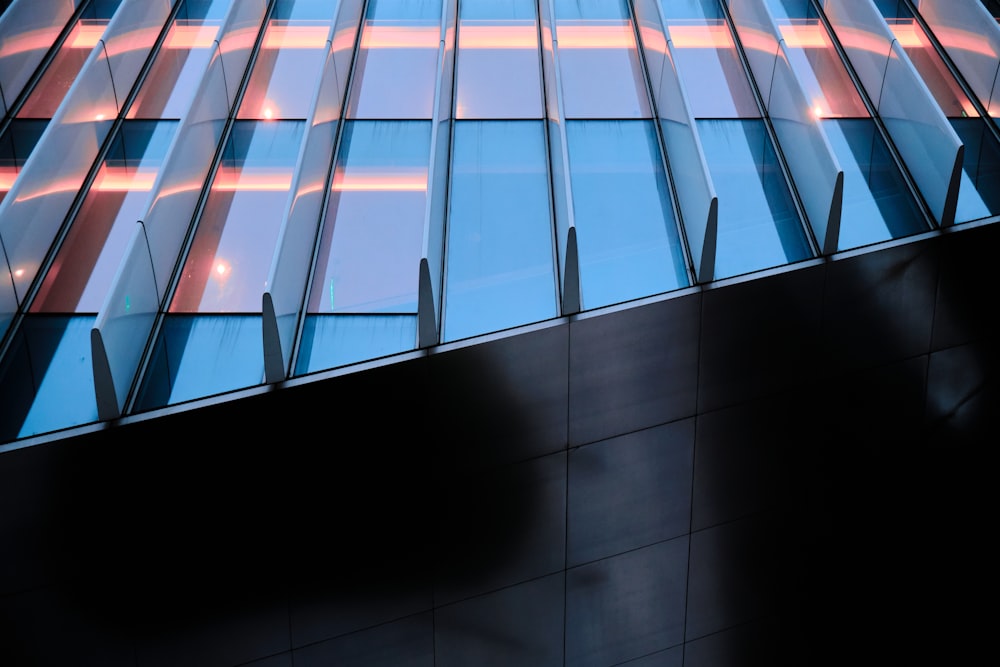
(626,231)
(500,264)
(16,145)
(599,61)
(81,274)
(877,204)
(815,61)
(202,355)
(372,238)
(758,225)
(46,379)
(979,194)
(181,60)
(50,90)
(288,66)
(329,341)
(706,60)
(227,266)
(498,74)
(396,69)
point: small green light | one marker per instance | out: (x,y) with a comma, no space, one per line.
(331,294)
(128,303)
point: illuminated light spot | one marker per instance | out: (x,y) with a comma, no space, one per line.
(818,111)
(220,268)
(19,273)
(268,113)
(99,116)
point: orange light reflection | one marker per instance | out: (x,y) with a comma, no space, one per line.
(281,35)
(595,35)
(715,36)
(7,177)
(412,180)
(509,36)
(234,179)
(124,179)
(400,37)
(192,35)
(86,34)
(31,40)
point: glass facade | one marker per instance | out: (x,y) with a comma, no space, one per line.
(435,170)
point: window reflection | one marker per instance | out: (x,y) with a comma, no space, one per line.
(500,271)
(498,71)
(396,66)
(83,270)
(181,61)
(599,62)
(290,61)
(16,145)
(227,266)
(758,225)
(626,232)
(815,61)
(373,233)
(50,90)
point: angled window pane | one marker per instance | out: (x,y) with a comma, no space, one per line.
(498,71)
(500,263)
(758,225)
(16,145)
(46,379)
(372,238)
(626,231)
(85,266)
(227,266)
(329,341)
(709,67)
(290,61)
(877,204)
(396,69)
(50,90)
(181,60)
(815,61)
(599,61)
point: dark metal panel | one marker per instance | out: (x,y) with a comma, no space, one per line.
(633,368)
(521,625)
(408,642)
(630,491)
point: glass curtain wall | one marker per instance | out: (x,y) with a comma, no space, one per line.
(758,223)
(627,233)
(978,196)
(210,340)
(362,300)
(877,203)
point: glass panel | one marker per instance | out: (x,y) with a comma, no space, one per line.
(227,266)
(329,341)
(15,147)
(626,233)
(181,60)
(877,204)
(372,238)
(599,62)
(815,61)
(46,382)
(758,225)
(500,271)
(290,61)
(978,195)
(396,66)
(26,35)
(82,272)
(707,63)
(203,355)
(498,60)
(50,90)
(946,91)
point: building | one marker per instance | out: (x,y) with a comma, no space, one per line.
(662,342)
